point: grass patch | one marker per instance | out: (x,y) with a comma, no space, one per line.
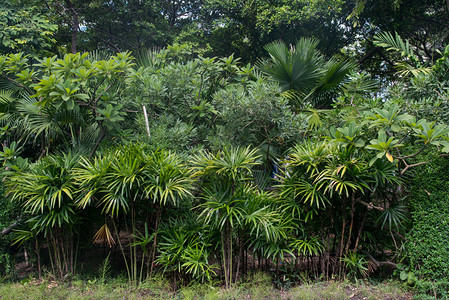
(259,286)
(347,290)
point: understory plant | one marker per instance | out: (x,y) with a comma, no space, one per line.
(128,180)
(47,192)
(232,206)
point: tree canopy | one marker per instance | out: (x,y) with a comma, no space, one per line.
(204,140)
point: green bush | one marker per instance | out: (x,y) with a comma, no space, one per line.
(427,243)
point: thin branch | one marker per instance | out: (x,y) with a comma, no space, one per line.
(398,234)
(413,165)
(17,84)
(399,155)
(98,86)
(386,59)
(102,93)
(403,138)
(247,125)
(112,45)
(432,20)
(408,156)
(417,153)
(114,37)
(9,229)
(370,53)
(380,263)
(82,103)
(370,205)
(198,102)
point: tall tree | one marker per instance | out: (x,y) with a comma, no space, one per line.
(25,28)
(119,25)
(423,23)
(245,27)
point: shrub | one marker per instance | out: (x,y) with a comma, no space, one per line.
(427,244)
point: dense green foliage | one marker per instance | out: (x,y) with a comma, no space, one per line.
(427,243)
(238,143)
(25,29)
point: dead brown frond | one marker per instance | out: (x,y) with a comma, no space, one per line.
(104,236)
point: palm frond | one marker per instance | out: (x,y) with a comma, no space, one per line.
(397,44)
(394,43)
(393,216)
(97,55)
(296,67)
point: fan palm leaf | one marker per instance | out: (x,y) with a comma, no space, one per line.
(295,68)
(303,73)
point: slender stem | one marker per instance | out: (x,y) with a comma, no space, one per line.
(153,253)
(342,235)
(72,270)
(100,139)
(77,249)
(121,250)
(146,120)
(17,84)
(105,90)
(359,233)
(38,257)
(133,248)
(141,267)
(413,165)
(52,262)
(224,257)
(370,205)
(230,253)
(352,223)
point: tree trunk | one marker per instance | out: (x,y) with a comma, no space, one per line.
(133,250)
(75,25)
(226,238)
(229,250)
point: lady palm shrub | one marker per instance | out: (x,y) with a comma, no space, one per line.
(231,205)
(326,189)
(129,183)
(185,251)
(356,265)
(47,192)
